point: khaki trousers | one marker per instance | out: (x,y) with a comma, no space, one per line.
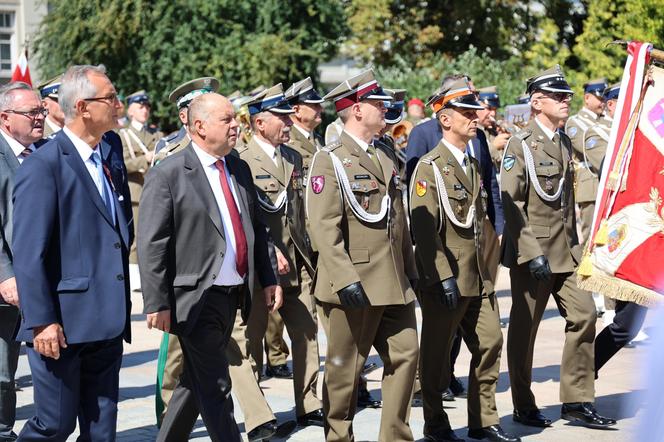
(276,350)
(351,332)
(244,383)
(577,368)
(479,319)
(299,316)
(491,249)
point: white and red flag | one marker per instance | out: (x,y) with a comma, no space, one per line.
(624,258)
(22,70)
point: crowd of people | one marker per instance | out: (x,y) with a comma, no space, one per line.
(252,222)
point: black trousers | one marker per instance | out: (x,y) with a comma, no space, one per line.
(205,384)
(625,326)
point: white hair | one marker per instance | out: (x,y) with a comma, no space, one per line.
(76,85)
(7,93)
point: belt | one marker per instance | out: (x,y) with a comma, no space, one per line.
(228,289)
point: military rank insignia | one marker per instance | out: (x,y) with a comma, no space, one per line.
(421,187)
(446,170)
(508,162)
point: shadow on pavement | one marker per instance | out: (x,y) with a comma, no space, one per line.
(139,357)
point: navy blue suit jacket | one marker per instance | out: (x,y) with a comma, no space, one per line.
(70,257)
(426,136)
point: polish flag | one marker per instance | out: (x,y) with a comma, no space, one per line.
(22,71)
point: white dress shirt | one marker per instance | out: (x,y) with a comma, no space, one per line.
(363,144)
(459,154)
(16,147)
(269,150)
(227,274)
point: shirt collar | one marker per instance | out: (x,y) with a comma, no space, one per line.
(269,149)
(83,148)
(361,143)
(548,132)
(305,133)
(205,158)
(16,147)
(136,125)
(459,154)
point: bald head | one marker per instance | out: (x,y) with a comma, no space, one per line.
(212,125)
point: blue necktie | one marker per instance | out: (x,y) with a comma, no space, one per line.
(105,190)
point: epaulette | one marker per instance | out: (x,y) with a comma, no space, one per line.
(522,135)
(429,157)
(332,146)
(242,148)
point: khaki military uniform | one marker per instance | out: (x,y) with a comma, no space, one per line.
(171,148)
(446,248)
(281,196)
(585,187)
(50,129)
(496,155)
(594,149)
(534,226)
(135,144)
(275,348)
(379,253)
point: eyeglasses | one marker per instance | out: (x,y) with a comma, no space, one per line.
(32,114)
(111,98)
(558,96)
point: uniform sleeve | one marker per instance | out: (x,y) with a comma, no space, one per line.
(429,246)
(137,164)
(595,150)
(326,214)
(513,179)
(575,134)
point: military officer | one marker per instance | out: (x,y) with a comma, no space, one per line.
(181,96)
(597,136)
(497,141)
(277,171)
(306,103)
(366,266)
(394,116)
(138,142)
(575,128)
(55,119)
(541,248)
(448,205)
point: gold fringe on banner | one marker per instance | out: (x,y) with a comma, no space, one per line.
(619,289)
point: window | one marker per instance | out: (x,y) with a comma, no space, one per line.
(6,42)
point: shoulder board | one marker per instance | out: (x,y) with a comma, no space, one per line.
(522,135)
(429,157)
(242,148)
(332,146)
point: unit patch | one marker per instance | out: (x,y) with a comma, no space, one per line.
(508,162)
(317,183)
(421,187)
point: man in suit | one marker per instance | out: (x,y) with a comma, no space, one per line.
(55,119)
(448,201)
(70,245)
(277,173)
(199,260)
(366,266)
(21,125)
(542,251)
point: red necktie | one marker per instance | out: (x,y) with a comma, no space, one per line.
(238,231)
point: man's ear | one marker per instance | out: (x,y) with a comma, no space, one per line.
(81,107)
(356,110)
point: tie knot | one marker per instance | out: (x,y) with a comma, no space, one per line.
(96,158)
(219,164)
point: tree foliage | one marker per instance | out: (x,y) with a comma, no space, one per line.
(157,45)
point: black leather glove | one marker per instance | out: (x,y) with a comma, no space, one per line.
(539,268)
(449,295)
(353,295)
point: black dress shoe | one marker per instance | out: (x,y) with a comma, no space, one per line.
(278,371)
(448,396)
(585,413)
(531,418)
(364,400)
(494,433)
(284,429)
(457,388)
(263,431)
(442,435)
(315,417)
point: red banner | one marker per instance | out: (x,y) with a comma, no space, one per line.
(22,71)
(621,259)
